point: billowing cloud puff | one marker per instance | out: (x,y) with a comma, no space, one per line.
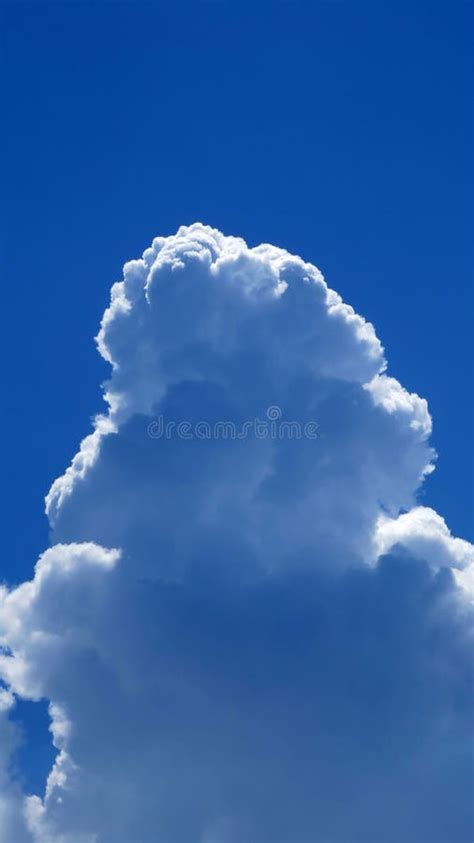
(247,630)
(425,534)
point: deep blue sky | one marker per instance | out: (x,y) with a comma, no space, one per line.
(339,130)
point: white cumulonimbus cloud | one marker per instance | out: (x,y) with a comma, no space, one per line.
(255,638)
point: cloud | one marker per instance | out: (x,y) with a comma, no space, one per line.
(11,797)
(245,638)
(425,534)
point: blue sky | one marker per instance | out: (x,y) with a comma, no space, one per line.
(339,131)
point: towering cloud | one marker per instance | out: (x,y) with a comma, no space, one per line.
(246,628)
